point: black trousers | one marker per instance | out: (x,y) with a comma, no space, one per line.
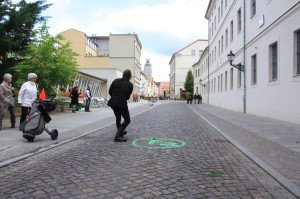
(24,113)
(11,110)
(121,112)
(87,104)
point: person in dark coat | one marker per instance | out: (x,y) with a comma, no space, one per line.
(199,99)
(195,98)
(120,91)
(74,98)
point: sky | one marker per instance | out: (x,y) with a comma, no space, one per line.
(163,26)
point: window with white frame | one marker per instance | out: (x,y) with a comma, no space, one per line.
(231,78)
(226,77)
(273,61)
(231,31)
(239,20)
(215,21)
(297,40)
(215,85)
(222,9)
(226,38)
(226,3)
(219,48)
(193,53)
(221,85)
(253,69)
(222,44)
(253,8)
(219,14)
(215,53)
(239,79)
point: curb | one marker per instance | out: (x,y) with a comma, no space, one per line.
(27,155)
(284,181)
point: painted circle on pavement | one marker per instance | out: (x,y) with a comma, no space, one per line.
(158,143)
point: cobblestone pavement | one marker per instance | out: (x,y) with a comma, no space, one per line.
(96,167)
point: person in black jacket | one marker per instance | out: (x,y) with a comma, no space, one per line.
(74,98)
(120,91)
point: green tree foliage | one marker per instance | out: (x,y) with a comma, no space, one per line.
(17,21)
(189,82)
(53,62)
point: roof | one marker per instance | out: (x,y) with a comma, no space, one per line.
(209,8)
(86,74)
(205,50)
(185,48)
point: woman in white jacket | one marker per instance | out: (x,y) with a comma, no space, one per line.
(27,95)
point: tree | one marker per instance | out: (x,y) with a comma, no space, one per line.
(54,63)
(189,82)
(17,21)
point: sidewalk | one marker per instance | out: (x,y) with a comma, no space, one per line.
(276,143)
(69,125)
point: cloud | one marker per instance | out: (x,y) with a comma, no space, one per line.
(182,19)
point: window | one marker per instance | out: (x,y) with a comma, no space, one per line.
(231,31)
(226,38)
(226,81)
(221,85)
(209,33)
(239,21)
(239,79)
(231,78)
(219,48)
(273,62)
(215,53)
(197,90)
(222,44)
(253,8)
(222,8)
(298,53)
(215,85)
(193,53)
(225,3)
(215,23)
(212,29)
(253,69)
(219,14)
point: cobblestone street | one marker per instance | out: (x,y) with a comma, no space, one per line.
(207,166)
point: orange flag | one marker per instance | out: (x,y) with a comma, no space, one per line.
(43,95)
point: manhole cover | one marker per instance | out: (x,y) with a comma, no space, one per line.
(158,143)
(215,174)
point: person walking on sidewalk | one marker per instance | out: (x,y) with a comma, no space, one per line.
(6,100)
(27,95)
(88,98)
(120,91)
(74,98)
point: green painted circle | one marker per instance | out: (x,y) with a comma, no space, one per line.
(160,143)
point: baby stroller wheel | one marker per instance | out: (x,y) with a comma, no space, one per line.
(54,134)
(29,137)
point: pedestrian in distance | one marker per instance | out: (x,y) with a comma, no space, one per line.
(88,98)
(74,98)
(199,99)
(195,98)
(6,100)
(27,95)
(120,91)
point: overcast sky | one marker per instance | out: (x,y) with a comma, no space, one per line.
(164,26)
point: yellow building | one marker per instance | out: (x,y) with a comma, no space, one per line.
(107,57)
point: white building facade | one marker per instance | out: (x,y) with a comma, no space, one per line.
(181,62)
(265,37)
(200,72)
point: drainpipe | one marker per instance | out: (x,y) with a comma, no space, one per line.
(245,70)
(208,65)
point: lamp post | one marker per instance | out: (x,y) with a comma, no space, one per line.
(240,67)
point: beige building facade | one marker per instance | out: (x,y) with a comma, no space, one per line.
(107,56)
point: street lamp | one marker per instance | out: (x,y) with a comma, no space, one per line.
(231,57)
(200,81)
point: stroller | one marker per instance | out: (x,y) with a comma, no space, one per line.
(35,122)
